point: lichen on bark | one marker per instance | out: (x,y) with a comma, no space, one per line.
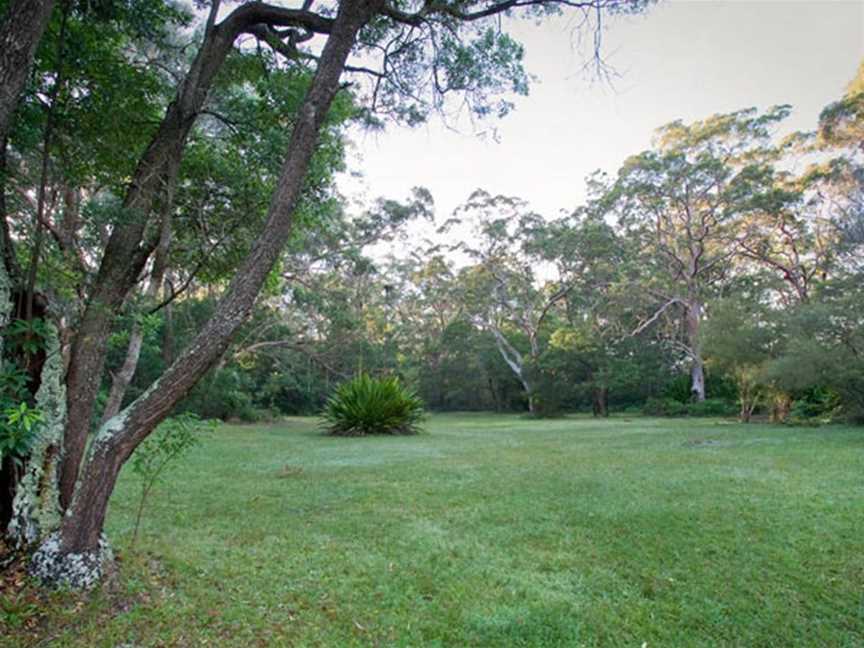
(79,571)
(35,509)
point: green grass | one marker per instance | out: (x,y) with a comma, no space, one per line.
(486,531)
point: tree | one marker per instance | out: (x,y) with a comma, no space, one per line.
(507,297)
(742,337)
(21,29)
(825,346)
(686,202)
(424,50)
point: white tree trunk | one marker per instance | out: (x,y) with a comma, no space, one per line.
(697,368)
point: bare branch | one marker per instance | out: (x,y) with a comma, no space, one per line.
(656,315)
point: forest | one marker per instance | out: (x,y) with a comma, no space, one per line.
(718,273)
(174,242)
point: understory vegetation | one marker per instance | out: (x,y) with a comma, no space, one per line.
(488,531)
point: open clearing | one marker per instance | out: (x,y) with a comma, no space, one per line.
(486,531)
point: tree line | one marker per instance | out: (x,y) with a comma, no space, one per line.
(717,273)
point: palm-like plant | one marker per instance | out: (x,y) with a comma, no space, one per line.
(366,405)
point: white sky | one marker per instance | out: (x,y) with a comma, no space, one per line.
(684,60)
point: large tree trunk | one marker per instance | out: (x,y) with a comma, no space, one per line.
(36,506)
(131,243)
(697,379)
(21,29)
(697,367)
(75,555)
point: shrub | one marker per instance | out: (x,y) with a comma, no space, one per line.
(712,407)
(671,407)
(816,403)
(664,407)
(366,405)
(171,440)
(719,385)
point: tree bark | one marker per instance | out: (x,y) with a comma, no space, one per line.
(82,525)
(516,363)
(697,367)
(11,270)
(600,397)
(129,247)
(123,378)
(21,29)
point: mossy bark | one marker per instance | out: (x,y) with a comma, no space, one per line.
(35,508)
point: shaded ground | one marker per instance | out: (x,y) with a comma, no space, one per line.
(488,531)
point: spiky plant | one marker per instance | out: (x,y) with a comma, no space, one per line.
(366,405)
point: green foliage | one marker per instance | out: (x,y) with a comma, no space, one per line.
(19,427)
(170,441)
(27,336)
(818,403)
(224,394)
(672,407)
(717,385)
(19,419)
(13,385)
(664,407)
(366,405)
(712,407)
(824,345)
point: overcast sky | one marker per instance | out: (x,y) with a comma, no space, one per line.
(681,60)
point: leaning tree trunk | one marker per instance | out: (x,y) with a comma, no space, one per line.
(133,240)
(75,555)
(516,363)
(21,29)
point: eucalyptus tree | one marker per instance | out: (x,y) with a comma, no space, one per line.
(509,296)
(533,277)
(841,180)
(335,306)
(687,202)
(823,348)
(593,331)
(414,54)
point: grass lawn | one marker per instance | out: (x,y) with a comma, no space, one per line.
(486,531)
